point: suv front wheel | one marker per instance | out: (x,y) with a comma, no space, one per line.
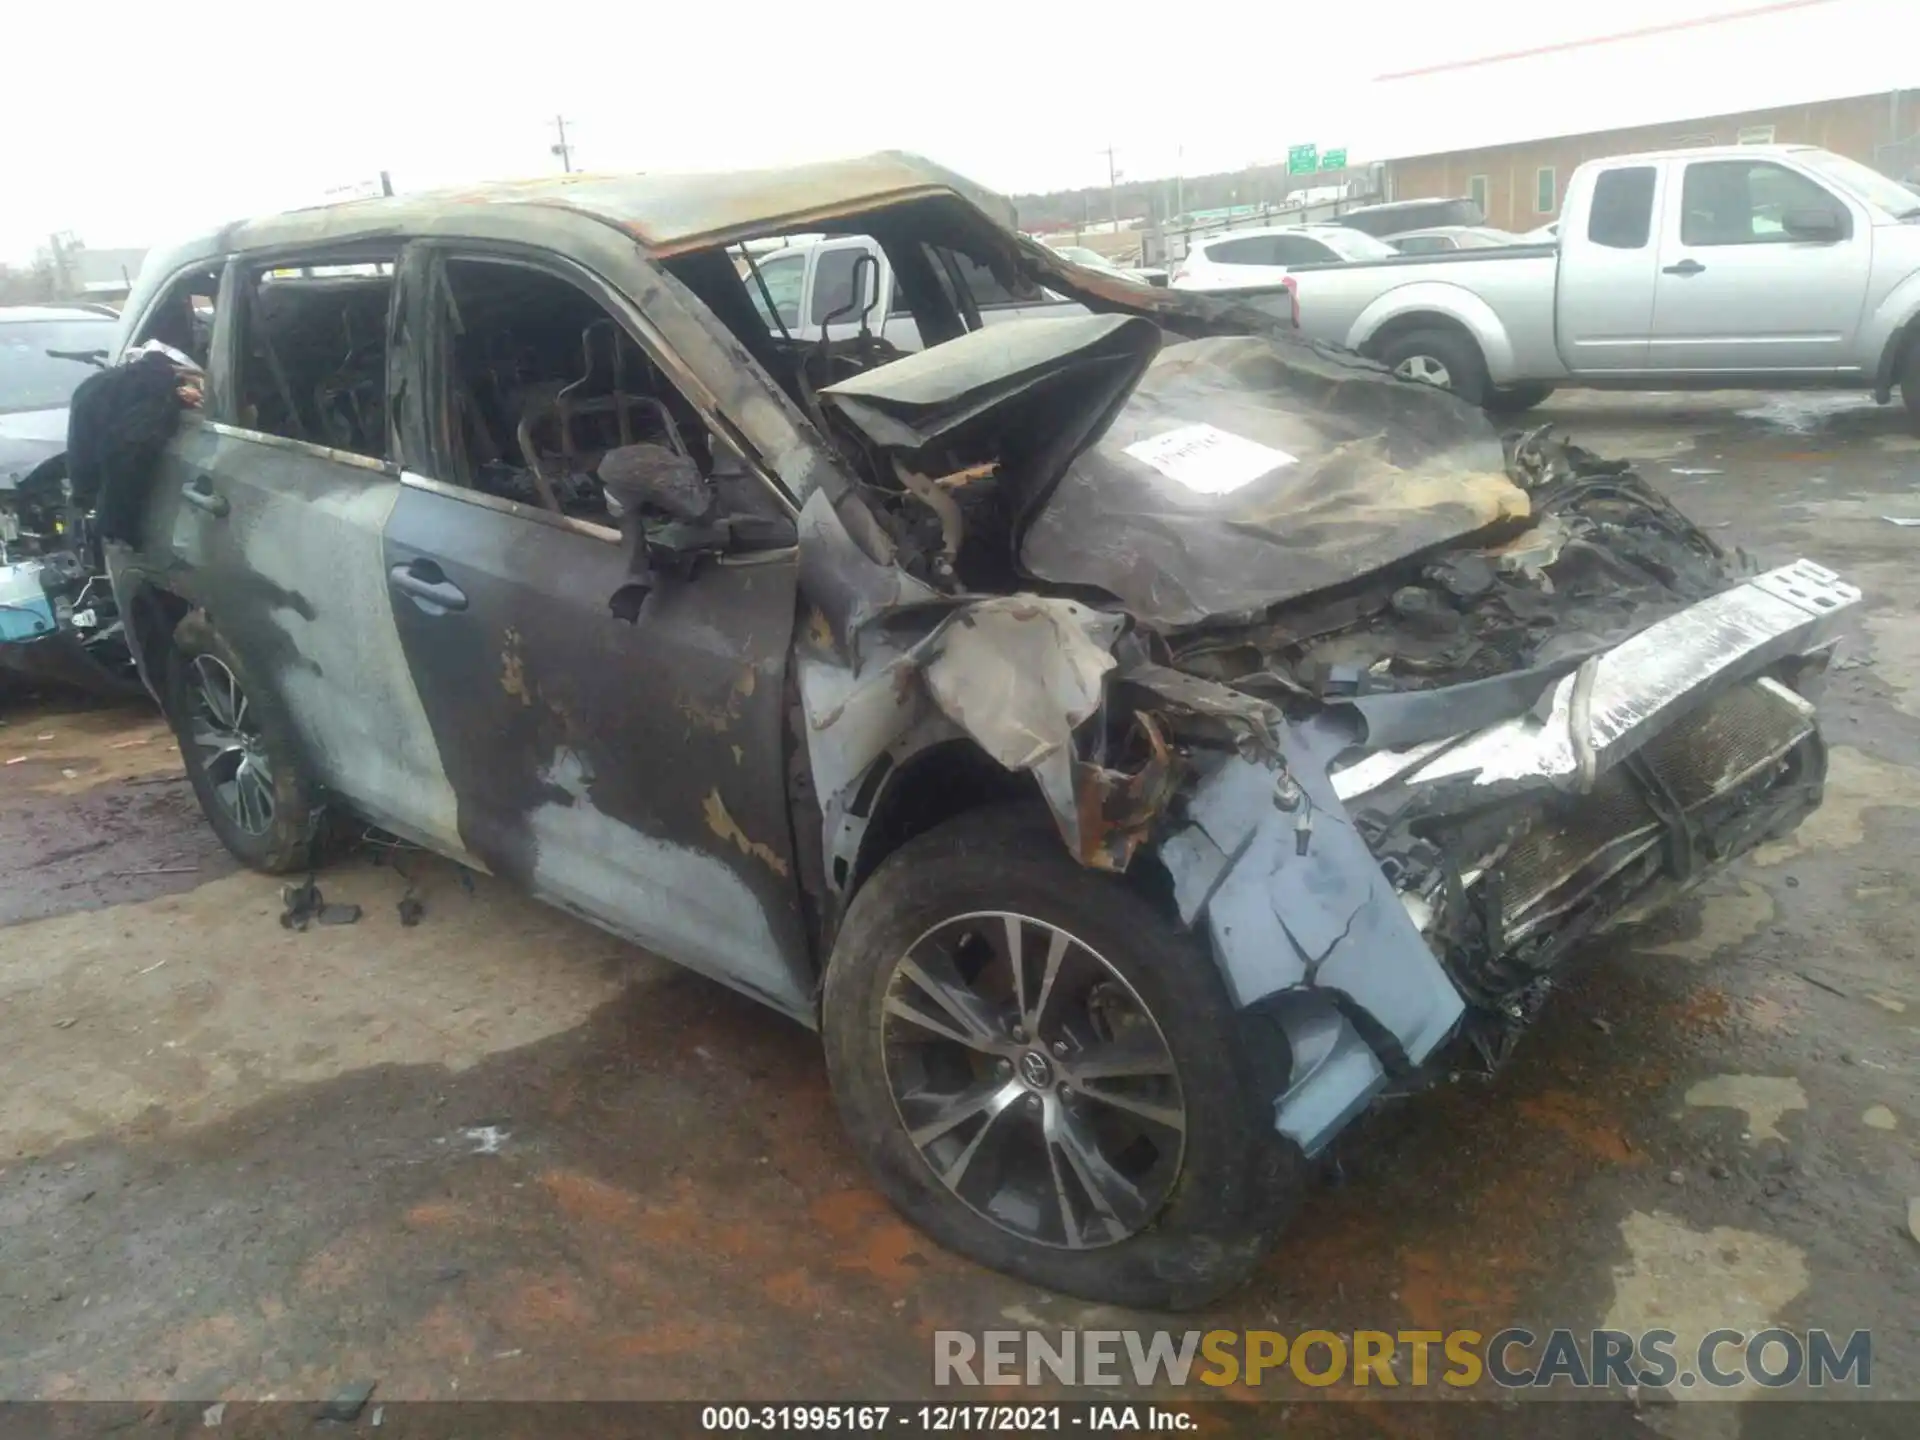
(239,750)
(1040,1070)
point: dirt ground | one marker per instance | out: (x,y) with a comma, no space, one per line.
(498,1154)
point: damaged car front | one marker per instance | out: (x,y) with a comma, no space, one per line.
(58,619)
(1374,714)
(1136,736)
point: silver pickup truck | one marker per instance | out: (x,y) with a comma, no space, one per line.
(1751,265)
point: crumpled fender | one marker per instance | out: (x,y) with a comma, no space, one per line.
(1319,941)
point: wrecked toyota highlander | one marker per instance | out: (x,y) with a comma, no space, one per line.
(1136,741)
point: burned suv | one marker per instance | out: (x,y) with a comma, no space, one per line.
(1135,739)
(57,617)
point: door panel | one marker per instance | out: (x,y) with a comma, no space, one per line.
(1735,293)
(632,773)
(1608,270)
(280,542)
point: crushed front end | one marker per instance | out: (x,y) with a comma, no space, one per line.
(58,617)
(1394,712)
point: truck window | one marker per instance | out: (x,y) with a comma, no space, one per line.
(1745,202)
(1248,250)
(985,286)
(783,274)
(833,284)
(1621,215)
(1300,250)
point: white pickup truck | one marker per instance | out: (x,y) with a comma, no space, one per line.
(811,281)
(1771,267)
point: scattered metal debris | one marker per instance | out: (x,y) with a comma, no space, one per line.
(487,1139)
(347,1402)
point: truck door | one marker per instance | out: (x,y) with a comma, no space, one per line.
(1762,268)
(1607,271)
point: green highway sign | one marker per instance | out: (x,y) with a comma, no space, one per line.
(1334,160)
(1303,159)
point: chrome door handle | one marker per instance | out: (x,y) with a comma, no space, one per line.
(1685,267)
(199,492)
(423,582)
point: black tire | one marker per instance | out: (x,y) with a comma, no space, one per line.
(1514,399)
(1236,1180)
(1434,349)
(287,840)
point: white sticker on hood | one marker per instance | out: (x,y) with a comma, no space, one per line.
(1212,461)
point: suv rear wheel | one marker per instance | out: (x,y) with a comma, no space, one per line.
(1041,1071)
(239,751)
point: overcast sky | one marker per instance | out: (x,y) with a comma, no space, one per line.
(135,124)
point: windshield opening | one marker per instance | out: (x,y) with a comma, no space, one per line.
(30,378)
(1864,183)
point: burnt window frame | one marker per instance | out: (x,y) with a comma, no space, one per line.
(423,266)
(232,315)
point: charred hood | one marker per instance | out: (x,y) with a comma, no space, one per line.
(1198,481)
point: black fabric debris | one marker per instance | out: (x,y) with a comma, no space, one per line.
(303,905)
(118,422)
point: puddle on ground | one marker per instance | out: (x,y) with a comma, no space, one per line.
(1804,414)
(1856,783)
(1725,920)
(1765,1098)
(1693,1282)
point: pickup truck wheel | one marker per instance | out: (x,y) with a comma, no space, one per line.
(1512,399)
(239,751)
(1041,1071)
(1438,357)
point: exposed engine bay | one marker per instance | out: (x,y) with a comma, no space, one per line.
(60,620)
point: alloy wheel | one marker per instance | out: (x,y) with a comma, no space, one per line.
(1425,368)
(1033,1080)
(229,746)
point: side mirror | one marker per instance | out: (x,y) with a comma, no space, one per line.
(1812,223)
(648,477)
(652,477)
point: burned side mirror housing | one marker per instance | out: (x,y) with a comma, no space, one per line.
(652,477)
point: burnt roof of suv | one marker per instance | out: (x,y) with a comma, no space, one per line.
(670,214)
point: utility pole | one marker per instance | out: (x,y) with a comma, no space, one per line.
(562,149)
(1180,182)
(1113,189)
